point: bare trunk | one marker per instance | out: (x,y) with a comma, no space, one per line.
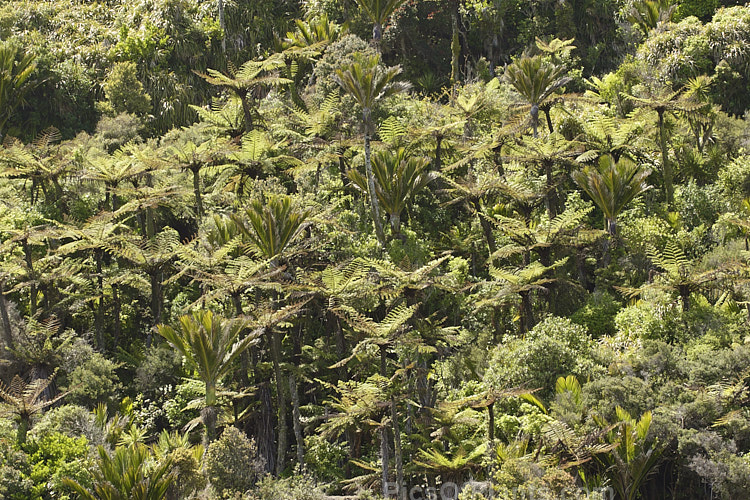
(116,313)
(550,197)
(281,443)
(222,25)
(397,451)
(32,277)
(99,320)
(384,459)
(297,422)
(197,191)
(374,206)
(666,167)
(7,331)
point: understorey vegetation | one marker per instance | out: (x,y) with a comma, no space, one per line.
(309,249)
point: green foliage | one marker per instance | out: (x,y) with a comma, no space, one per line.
(323,458)
(16,70)
(69,420)
(296,487)
(124,92)
(598,315)
(53,457)
(94,381)
(124,475)
(553,348)
(232,463)
(612,186)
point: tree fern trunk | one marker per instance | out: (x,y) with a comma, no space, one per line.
(197,192)
(397,451)
(222,25)
(7,331)
(374,206)
(281,443)
(116,314)
(32,276)
(99,320)
(384,458)
(666,167)
(296,421)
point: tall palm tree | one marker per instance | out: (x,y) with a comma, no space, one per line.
(612,186)
(536,80)
(369,83)
(399,177)
(271,226)
(379,11)
(210,344)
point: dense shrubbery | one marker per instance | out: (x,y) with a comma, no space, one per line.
(557,300)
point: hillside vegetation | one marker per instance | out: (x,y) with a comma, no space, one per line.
(276,249)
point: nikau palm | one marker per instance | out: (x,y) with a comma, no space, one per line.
(612,186)
(210,344)
(379,11)
(399,178)
(368,83)
(536,80)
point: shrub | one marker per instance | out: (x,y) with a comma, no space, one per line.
(292,488)
(70,420)
(124,92)
(93,382)
(53,457)
(598,314)
(553,348)
(232,462)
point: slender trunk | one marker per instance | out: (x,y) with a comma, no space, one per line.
(116,314)
(527,313)
(222,25)
(455,45)
(111,192)
(491,423)
(209,413)
(666,167)
(535,119)
(438,153)
(374,206)
(155,302)
(607,244)
(377,35)
(549,121)
(197,191)
(384,458)
(281,443)
(7,331)
(99,320)
(397,451)
(297,422)
(489,237)
(395,221)
(550,197)
(264,426)
(247,109)
(32,277)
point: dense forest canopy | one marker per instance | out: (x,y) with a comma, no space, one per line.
(279,249)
